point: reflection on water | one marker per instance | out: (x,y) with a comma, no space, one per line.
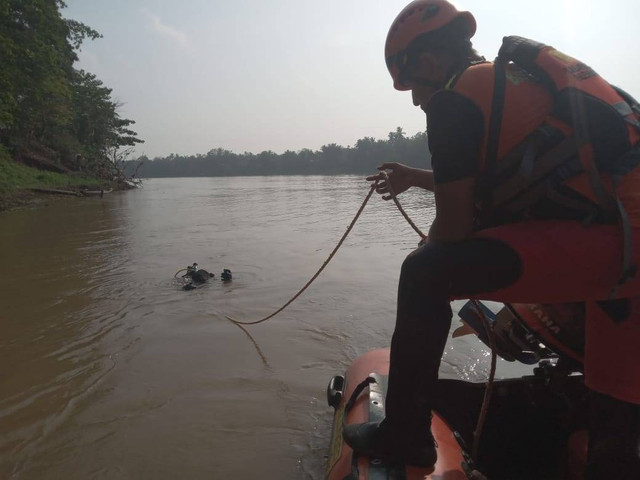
(109,370)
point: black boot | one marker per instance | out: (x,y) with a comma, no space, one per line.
(377,440)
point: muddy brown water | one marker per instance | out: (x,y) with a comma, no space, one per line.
(108,370)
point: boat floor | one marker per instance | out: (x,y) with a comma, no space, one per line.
(527,429)
(528,424)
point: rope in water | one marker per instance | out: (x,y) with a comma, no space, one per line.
(326,262)
(175,275)
(487,325)
(335,250)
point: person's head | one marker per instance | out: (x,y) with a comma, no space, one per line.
(427,41)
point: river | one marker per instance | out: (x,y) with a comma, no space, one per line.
(108,370)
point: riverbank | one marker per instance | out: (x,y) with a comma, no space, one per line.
(18,184)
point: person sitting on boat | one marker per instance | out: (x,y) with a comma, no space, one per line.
(537,191)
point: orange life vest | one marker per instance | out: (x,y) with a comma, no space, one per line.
(538,107)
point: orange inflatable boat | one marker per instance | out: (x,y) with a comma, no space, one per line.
(535,427)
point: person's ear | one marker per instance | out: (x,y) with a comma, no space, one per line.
(428,62)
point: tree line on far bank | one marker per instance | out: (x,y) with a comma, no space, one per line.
(53,116)
(331,159)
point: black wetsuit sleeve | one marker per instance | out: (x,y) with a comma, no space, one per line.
(455,128)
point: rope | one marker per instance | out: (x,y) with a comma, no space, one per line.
(487,325)
(384,176)
(326,262)
(404,214)
(179,271)
(484,410)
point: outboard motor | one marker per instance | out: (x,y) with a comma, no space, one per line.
(530,333)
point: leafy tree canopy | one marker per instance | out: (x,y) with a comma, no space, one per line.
(363,158)
(51,114)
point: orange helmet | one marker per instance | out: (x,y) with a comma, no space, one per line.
(417,18)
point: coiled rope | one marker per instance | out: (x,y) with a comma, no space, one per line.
(487,325)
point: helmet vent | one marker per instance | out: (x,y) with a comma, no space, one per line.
(430,12)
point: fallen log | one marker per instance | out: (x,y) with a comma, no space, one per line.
(90,193)
(56,191)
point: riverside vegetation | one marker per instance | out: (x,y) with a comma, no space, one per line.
(59,126)
(332,159)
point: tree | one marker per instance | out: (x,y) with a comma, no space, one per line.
(45,104)
(332,158)
(37,94)
(397,137)
(94,112)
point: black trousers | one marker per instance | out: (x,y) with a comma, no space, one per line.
(432,275)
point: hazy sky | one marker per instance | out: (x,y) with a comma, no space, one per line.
(254,75)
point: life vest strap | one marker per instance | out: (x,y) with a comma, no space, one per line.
(497,111)
(540,168)
(587,208)
(604,198)
(623,108)
(629,268)
(495,126)
(625,111)
(630,101)
(542,140)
